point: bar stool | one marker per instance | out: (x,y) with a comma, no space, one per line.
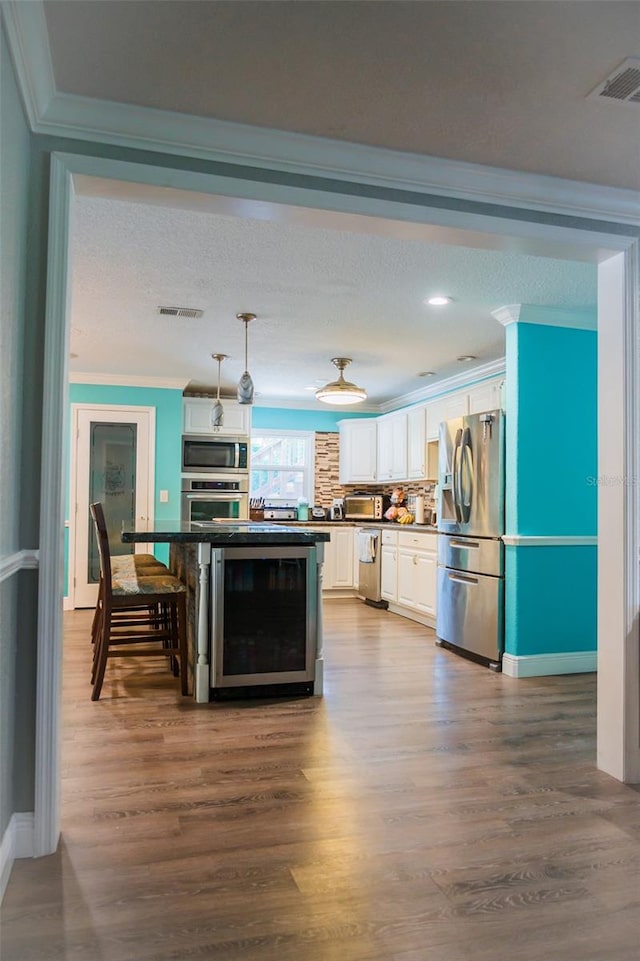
(136,608)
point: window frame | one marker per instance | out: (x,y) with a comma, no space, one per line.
(307,470)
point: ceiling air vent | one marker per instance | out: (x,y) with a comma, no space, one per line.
(180,311)
(622,85)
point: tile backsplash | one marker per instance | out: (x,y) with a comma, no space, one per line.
(327,485)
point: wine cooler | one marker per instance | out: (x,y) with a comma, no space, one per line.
(263,620)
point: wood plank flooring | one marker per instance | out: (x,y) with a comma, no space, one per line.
(425,809)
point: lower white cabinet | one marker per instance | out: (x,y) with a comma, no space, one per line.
(409,573)
(389,572)
(339,568)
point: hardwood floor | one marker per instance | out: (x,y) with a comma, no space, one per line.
(425,809)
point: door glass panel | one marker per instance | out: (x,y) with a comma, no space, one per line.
(112,481)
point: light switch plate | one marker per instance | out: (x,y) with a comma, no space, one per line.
(164,497)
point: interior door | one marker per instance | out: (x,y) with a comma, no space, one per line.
(113,466)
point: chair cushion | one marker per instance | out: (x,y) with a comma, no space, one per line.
(129,564)
(136,583)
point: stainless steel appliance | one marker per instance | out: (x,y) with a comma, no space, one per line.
(369,544)
(336,511)
(210,497)
(278,511)
(470,607)
(214,455)
(264,620)
(363,507)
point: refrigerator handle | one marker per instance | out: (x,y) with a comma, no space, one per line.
(455,475)
(465,460)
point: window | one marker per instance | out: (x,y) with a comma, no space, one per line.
(282,464)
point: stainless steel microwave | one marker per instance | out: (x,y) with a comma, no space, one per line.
(363,507)
(211,455)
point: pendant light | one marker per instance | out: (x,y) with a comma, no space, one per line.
(217,414)
(245,384)
(340,391)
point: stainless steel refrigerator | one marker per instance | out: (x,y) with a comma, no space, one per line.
(470,606)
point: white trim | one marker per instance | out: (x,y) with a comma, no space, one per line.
(618,722)
(17,842)
(467,378)
(102,412)
(63,166)
(10,564)
(29,44)
(575,317)
(127,125)
(542,665)
(68,604)
(127,380)
(550,540)
(52,514)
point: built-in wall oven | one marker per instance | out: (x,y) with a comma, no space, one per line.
(212,497)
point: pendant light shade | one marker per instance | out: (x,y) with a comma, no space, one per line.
(217,414)
(340,391)
(245,384)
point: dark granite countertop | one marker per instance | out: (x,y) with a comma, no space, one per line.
(221,533)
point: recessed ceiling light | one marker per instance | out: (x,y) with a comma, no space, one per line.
(438,301)
(466,357)
(427,373)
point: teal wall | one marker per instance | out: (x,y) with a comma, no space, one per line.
(551,470)
(550,599)
(551,430)
(168,408)
(283,418)
(19,385)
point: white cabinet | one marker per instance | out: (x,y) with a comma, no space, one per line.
(358,451)
(389,566)
(445,408)
(339,568)
(415,562)
(392,447)
(486,396)
(417,443)
(197,414)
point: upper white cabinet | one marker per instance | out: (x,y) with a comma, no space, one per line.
(358,451)
(392,447)
(197,414)
(485,397)
(417,443)
(445,408)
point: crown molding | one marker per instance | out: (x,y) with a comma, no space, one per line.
(28,40)
(128,380)
(65,115)
(577,317)
(467,378)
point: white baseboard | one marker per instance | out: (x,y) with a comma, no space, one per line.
(17,842)
(67,604)
(539,665)
(426,619)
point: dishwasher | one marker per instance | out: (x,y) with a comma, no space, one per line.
(369,545)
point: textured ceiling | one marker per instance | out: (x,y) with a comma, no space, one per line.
(318,292)
(495,83)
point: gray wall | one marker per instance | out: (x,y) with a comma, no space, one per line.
(14,203)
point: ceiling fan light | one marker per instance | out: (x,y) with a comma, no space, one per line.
(341,391)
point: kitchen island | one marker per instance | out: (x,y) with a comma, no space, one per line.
(254,595)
